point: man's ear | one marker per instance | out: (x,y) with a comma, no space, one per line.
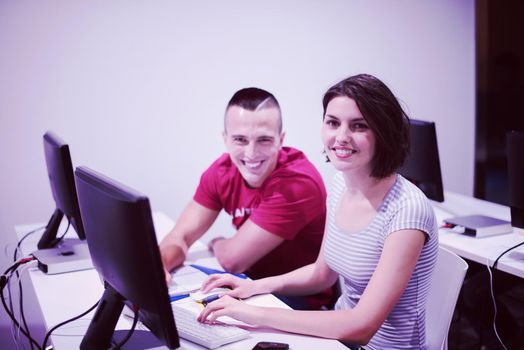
(282,137)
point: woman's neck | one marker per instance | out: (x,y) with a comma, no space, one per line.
(362,185)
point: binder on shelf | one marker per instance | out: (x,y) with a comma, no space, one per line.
(480,225)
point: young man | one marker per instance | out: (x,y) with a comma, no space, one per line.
(275,196)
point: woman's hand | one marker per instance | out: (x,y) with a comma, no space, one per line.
(228,306)
(241,288)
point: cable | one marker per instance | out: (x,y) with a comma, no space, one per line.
(447,225)
(492,289)
(15,332)
(59,239)
(21,300)
(494,303)
(48,334)
(22,239)
(504,252)
(11,309)
(16,327)
(4,280)
(130,333)
(20,289)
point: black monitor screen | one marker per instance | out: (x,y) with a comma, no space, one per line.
(60,172)
(123,246)
(422,167)
(515,149)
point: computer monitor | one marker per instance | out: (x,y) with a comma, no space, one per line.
(515,151)
(123,246)
(60,172)
(422,167)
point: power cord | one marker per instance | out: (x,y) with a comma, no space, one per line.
(504,253)
(493,292)
(48,334)
(59,239)
(20,289)
(4,280)
(494,305)
(21,317)
(17,249)
(130,333)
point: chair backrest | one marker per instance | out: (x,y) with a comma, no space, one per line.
(442,297)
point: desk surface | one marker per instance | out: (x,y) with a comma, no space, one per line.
(63,296)
(486,249)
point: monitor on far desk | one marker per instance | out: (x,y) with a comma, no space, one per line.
(56,254)
(422,167)
(515,151)
(60,173)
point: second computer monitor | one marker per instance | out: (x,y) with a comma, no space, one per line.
(60,173)
(422,167)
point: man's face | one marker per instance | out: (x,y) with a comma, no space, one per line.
(253,140)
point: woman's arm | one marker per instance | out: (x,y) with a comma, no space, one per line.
(397,262)
(308,279)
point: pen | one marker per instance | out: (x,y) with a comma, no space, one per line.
(209,271)
(178,297)
(209,299)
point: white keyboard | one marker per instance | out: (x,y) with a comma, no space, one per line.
(210,336)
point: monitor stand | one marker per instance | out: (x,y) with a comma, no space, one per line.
(140,340)
(70,255)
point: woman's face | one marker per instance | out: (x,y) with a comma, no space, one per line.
(348,141)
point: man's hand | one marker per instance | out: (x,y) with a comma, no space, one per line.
(172,256)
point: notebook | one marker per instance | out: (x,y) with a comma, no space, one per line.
(186,280)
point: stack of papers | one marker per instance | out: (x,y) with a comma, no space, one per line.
(186,280)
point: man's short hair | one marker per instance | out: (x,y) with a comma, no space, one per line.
(386,118)
(253,99)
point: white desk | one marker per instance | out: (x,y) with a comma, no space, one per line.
(63,296)
(481,250)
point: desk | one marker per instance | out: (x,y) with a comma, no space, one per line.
(481,250)
(63,296)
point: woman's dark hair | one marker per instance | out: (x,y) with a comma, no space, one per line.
(384,115)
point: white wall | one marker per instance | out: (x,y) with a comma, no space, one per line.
(138,88)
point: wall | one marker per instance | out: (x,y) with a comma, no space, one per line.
(138,88)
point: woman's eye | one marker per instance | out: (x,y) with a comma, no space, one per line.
(332,122)
(360,126)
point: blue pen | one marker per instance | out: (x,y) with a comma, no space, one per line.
(209,271)
(178,297)
(209,299)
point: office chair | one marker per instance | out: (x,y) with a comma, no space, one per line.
(442,297)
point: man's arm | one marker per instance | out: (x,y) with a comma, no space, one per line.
(190,226)
(247,246)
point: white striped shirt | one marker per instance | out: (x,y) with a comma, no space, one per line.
(354,256)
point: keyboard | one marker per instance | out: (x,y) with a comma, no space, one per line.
(207,335)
